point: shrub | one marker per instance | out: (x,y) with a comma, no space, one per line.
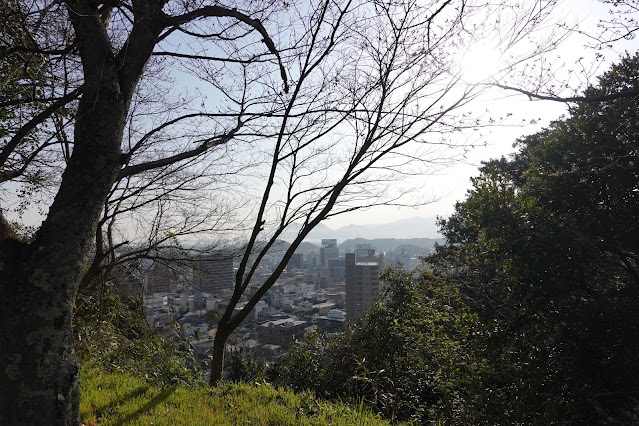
(111,333)
(409,358)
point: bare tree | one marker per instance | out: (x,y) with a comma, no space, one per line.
(559,82)
(374,101)
(96,55)
(373,93)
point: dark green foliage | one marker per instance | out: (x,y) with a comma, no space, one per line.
(242,368)
(531,312)
(28,85)
(23,73)
(545,246)
(409,358)
(112,334)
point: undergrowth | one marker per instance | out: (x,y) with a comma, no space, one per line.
(112,335)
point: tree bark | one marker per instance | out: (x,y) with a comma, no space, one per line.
(38,369)
(217,360)
(39,281)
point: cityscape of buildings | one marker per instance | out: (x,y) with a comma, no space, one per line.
(320,289)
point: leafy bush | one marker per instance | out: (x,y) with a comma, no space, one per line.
(409,358)
(244,369)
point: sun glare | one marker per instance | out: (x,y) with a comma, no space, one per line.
(480,63)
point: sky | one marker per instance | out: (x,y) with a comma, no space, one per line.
(447,186)
(450,185)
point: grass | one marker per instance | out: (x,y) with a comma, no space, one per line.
(118,399)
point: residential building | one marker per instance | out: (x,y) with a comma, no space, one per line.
(333,322)
(282,332)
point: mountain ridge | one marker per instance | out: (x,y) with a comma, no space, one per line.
(416,227)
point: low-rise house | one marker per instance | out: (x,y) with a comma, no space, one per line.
(282,332)
(333,322)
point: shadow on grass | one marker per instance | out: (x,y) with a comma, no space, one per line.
(153,402)
(111,405)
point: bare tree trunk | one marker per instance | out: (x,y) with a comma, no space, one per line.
(38,369)
(225,327)
(217,361)
(39,281)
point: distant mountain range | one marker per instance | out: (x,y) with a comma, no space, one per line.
(418,227)
(408,245)
(413,236)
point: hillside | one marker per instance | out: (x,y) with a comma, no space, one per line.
(118,399)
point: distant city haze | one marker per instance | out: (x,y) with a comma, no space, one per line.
(416,227)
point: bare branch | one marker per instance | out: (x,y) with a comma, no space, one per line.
(32,124)
(219,11)
(631,93)
(206,58)
(215,141)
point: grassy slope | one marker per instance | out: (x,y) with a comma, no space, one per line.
(116,399)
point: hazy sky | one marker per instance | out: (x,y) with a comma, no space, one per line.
(450,185)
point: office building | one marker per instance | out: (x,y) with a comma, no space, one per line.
(296,261)
(213,273)
(159,279)
(362,280)
(329,250)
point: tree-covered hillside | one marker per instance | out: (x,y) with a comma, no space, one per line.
(530,311)
(545,248)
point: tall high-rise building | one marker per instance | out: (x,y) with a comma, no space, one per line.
(362,280)
(329,250)
(296,261)
(214,272)
(336,269)
(159,279)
